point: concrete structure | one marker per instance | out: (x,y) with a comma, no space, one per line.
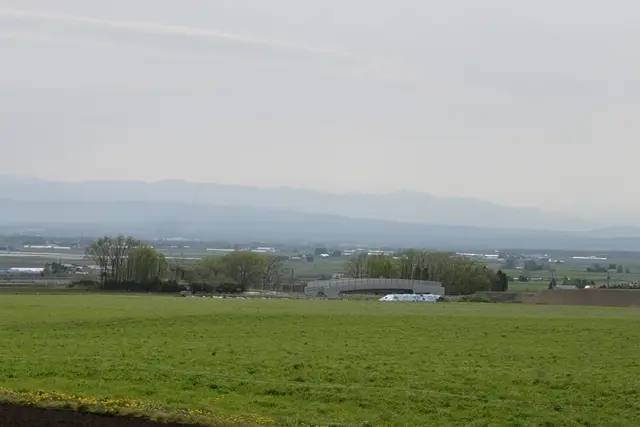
(333,288)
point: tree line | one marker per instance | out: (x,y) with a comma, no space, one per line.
(459,276)
(234,272)
(126,263)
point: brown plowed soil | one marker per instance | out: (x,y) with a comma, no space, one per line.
(504,296)
(28,416)
(595,297)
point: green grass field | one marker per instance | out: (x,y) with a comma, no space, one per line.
(343,363)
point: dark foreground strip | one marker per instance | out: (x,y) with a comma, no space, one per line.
(28,416)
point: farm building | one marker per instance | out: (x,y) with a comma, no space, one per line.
(25,270)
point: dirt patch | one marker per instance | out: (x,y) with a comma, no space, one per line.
(503,296)
(595,297)
(29,416)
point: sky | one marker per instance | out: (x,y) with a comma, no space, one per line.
(520,103)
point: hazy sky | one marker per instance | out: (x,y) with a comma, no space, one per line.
(523,103)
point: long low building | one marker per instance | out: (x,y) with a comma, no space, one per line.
(23,270)
(333,288)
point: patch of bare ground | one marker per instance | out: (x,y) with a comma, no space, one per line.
(13,415)
(503,296)
(593,297)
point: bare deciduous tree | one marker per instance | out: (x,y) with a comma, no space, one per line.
(358,265)
(273,270)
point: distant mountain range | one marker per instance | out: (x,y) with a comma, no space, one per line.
(172,208)
(402,206)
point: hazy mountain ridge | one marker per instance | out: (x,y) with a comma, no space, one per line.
(170,219)
(178,208)
(403,206)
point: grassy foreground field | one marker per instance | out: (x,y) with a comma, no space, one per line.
(298,362)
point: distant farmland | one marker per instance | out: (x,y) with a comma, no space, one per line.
(325,267)
(303,270)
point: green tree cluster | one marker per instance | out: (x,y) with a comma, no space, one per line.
(531,265)
(127,263)
(597,268)
(54,269)
(459,276)
(235,272)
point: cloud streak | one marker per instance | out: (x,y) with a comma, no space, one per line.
(200,33)
(359,73)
